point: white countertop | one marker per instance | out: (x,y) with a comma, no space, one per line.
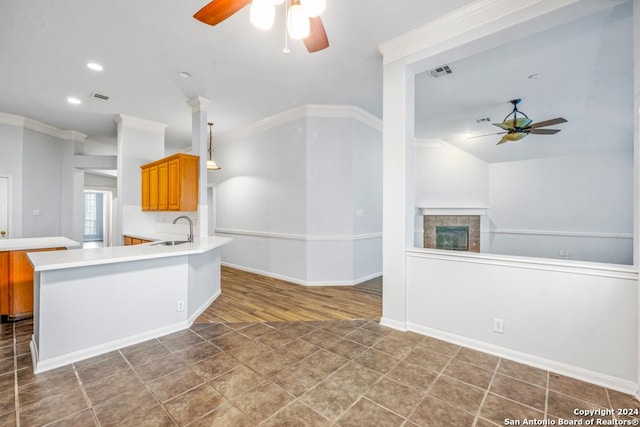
(57,260)
(37,243)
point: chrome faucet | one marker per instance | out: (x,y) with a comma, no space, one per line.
(190,236)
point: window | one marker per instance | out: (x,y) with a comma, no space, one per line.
(90,214)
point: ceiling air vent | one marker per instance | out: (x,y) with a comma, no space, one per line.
(99,96)
(483,120)
(441,71)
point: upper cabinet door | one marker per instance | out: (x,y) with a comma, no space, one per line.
(145,189)
(174,185)
(153,188)
(163,187)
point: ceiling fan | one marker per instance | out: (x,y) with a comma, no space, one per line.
(518,127)
(303,20)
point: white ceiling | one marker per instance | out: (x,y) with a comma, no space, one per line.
(586,77)
(143,44)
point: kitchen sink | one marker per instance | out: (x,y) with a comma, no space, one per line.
(170,242)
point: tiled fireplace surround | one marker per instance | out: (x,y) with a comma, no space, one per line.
(433,221)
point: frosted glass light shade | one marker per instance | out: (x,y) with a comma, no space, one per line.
(212,166)
(262,14)
(298,22)
(313,7)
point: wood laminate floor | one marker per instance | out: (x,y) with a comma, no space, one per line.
(248,297)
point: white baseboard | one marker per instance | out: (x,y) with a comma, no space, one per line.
(586,375)
(299,281)
(66,359)
(203,307)
(395,324)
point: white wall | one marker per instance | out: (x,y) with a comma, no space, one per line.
(570,319)
(302,200)
(563,203)
(11,164)
(261,189)
(42,184)
(446,176)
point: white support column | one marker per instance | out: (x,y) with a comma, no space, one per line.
(398,194)
(199,146)
(139,142)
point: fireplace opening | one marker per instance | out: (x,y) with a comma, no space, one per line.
(455,238)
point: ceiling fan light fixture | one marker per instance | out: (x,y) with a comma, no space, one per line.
(298,23)
(313,8)
(262,14)
(515,136)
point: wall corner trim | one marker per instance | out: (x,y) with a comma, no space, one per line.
(43,128)
(140,124)
(299,113)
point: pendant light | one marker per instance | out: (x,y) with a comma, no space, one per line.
(211,164)
(298,21)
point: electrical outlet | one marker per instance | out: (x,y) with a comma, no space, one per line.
(498,325)
(179,305)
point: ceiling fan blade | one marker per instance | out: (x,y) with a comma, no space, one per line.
(551,122)
(219,10)
(317,38)
(544,131)
(502,126)
(487,134)
(502,141)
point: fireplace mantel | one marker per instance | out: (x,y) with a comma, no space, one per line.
(453,210)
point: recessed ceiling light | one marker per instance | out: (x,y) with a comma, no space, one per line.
(535,76)
(184,74)
(94,66)
(73,100)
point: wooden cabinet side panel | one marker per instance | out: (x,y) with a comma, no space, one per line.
(153,188)
(163,186)
(21,283)
(4,283)
(189,184)
(128,241)
(145,189)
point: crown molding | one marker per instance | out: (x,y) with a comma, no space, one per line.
(198,103)
(299,113)
(483,16)
(140,124)
(43,128)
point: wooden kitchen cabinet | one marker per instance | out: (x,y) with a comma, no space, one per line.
(163,190)
(170,184)
(4,283)
(145,189)
(19,283)
(153,188)
(128,241)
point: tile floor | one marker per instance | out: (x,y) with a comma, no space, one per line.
(325,373)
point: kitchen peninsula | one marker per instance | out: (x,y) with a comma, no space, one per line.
(88,302)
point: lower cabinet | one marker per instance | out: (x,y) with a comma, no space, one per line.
(128,241)
(16,283)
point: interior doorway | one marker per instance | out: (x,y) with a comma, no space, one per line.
(97,225)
